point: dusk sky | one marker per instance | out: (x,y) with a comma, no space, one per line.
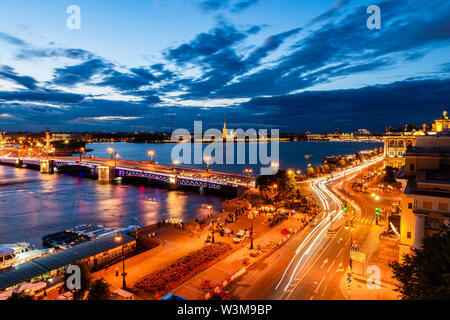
(288,64)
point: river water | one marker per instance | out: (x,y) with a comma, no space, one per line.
(33,205)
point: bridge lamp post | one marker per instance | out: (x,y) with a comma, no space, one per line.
(151,153)
(119,238)
(175,162)
(82,150)
(248,172)
(207,159)
(111,151)
(116,155)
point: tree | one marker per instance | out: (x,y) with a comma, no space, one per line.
(284,181)
(425,275)
(85,282)
(389,176)
(22,295)
(100,290)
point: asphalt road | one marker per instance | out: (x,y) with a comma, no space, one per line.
(311,264)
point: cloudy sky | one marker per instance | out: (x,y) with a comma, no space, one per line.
(295,65)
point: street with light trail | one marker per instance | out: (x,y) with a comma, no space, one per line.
(310,265)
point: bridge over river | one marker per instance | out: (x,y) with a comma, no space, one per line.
(107,170)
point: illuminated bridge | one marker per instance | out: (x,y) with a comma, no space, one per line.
(106,170)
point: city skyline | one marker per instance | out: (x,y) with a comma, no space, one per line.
(295,66)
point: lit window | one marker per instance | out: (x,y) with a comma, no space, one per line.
(443,206)
(428,205)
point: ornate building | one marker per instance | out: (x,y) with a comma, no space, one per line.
(441,124)
(396,143)
(425,177)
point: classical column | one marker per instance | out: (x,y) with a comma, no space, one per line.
(419,230)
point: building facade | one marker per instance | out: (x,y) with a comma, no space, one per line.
(425,178)
(395,145)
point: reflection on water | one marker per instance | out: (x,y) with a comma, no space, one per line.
(33,204)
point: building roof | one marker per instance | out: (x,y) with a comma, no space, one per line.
(35,268)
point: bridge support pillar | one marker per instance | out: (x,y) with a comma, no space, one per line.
(47,166)
(106,174)
(18,163)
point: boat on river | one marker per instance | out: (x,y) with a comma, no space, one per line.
(80,234)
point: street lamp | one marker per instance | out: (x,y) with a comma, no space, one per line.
(175,162)
(151,153)
(251,217)
(119,237)
(377,209)
(351,242)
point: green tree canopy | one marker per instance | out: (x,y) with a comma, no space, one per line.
(426,274)
(282,179)
(389,176)
(100,290)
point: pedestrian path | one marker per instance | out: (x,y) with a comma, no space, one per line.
(362,220)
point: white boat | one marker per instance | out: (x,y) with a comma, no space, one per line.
(18,253)
(7,258)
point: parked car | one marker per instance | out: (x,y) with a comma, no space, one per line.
(240,236)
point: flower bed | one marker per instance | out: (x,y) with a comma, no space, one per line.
(165,279)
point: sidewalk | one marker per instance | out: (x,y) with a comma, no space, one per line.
(175,243)
(224,269)
(360,289)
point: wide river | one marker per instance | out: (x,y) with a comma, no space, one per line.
(33,205)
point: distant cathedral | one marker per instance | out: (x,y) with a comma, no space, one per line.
(226,133)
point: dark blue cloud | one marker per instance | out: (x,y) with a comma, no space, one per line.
(236,6)
(31,53)
(11,39)
(206,44)
(7,72)
(79,73)
(213,5)
(373,107)
(405,32)
(42,96)
(243,4)
(219,60)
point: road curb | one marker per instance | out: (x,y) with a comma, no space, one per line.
(239,273)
